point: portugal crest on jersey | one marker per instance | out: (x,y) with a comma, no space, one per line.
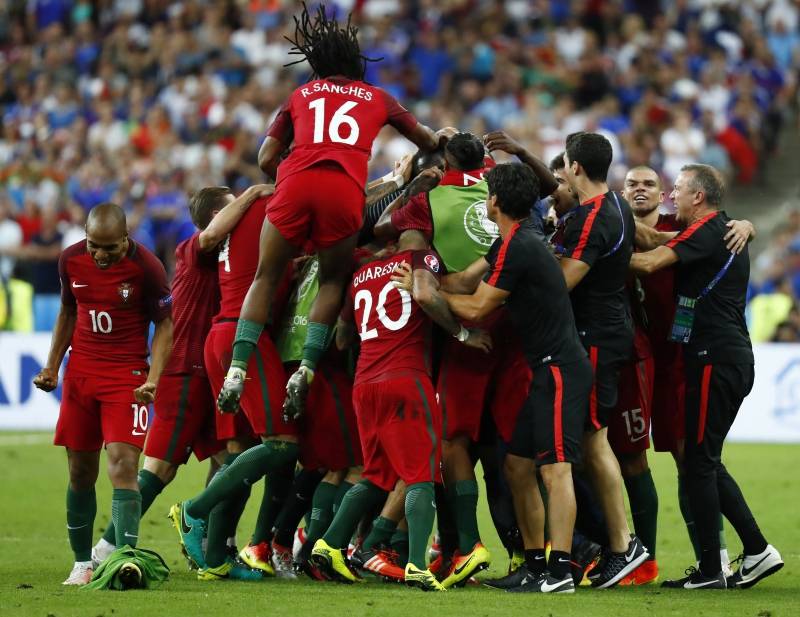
(125,291)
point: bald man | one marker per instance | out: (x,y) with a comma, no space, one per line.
(111,289)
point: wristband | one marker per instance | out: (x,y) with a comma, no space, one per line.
(462,335)
(399,180)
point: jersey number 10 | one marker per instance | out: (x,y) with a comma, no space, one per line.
(339,118)
(364,297)
(101,322)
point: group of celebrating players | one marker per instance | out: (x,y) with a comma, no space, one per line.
(540,346)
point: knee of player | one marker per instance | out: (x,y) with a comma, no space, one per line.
(518,470)
(164,470)
(557,472)
(633,464)
(123,467)
(83,470)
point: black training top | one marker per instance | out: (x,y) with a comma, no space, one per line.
(538,302)
(600,233)
(719,333)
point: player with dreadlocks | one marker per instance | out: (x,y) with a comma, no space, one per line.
(319,198)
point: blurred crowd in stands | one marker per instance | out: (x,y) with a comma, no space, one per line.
(143,102)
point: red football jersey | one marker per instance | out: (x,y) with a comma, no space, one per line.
(659,295)
(238,260)
(336,119)
(115,307)
(394,330)
(195,300)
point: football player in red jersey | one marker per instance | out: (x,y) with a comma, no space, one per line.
(111,289)
(399,419)
(332,122)
(183,420)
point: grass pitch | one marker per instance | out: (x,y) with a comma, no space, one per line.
(35,555)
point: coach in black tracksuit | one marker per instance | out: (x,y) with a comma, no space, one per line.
(711,286)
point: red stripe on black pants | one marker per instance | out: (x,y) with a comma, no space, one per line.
(704,387)
(593,396)
(558,431)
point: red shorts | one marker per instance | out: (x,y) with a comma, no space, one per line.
(264,390)
(322,204)
(400,426)
(183,420)
(471,380)
(629,423)
(97,410)
(668,403)
(329,432)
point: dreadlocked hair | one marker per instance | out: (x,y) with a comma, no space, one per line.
(328,48)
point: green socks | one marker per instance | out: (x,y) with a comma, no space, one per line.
(400,546)
(126,510)
(224,518)
(276,485)
(150,487)
(246,470)
(464,496)
(321,511)
(343,488)
(358,500)
(420,512)
(644,508)
(317,339)
(81,510)
(247,335)
(381,533)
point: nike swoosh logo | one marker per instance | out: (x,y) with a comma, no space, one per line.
(137,433)
(629,557)
(458,571)
(547,587)
(640,437)
(76,285)
(74,528)
(746,571)
(129,535)
(690,585)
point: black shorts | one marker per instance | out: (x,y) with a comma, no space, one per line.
(550,425)
(714,393)
(607,364)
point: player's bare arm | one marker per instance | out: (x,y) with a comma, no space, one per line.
(268,156)
(227,218)
(425,181)
(47,379)
(574,270)
(425,291)
(652,261)
(345,334)
(500,140)
(391,182)
(159,355)
(648,238)
(478,305)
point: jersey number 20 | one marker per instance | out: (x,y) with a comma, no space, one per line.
(364,297)
(339,118)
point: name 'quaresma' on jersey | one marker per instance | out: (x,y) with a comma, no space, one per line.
(394,330)
(114,308)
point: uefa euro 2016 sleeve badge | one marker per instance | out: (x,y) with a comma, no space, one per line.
(125,291)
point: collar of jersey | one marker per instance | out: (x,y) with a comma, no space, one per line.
(455,177)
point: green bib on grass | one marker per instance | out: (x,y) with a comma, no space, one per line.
(154,569)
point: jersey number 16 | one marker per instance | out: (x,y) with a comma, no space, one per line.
(339,118)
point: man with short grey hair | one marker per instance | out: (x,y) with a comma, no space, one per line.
(711,288)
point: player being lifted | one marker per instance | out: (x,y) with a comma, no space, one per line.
(111,289)
(332,121)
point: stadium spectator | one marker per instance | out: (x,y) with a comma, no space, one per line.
(97,97)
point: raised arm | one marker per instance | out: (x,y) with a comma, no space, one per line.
(499,140)
(227,218)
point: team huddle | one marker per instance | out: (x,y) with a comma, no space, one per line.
(363,345)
